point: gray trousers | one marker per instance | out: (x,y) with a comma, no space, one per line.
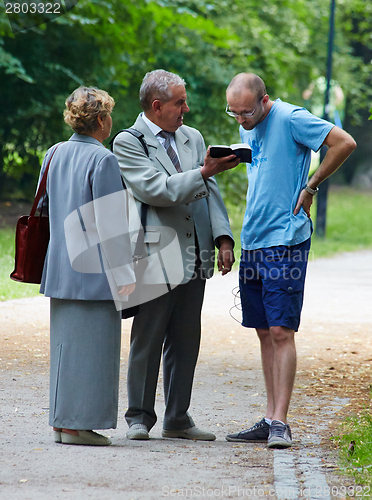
(171,323)
(84,364)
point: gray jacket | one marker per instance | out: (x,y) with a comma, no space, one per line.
(86,202)
(181,202)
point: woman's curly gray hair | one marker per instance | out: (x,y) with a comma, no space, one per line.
(83,107)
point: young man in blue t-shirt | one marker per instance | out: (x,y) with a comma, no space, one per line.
(276,233)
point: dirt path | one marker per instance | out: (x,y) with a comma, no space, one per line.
(334,377)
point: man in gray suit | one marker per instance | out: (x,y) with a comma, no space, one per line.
(176,180)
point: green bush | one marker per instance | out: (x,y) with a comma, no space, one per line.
(10,289)
(356,449)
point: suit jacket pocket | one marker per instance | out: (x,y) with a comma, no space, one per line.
(151,236)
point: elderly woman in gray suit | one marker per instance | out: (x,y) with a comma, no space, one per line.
(86,267)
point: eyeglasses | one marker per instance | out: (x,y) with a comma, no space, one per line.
(243,115)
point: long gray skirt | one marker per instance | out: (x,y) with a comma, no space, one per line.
(84,364)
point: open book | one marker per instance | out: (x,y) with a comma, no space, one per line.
(243,151)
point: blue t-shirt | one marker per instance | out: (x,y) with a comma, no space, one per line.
(281,156)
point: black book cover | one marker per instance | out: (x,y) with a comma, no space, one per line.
(243,151)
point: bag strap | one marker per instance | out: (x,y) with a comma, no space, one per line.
(41,190)
(135,133)
(140,244)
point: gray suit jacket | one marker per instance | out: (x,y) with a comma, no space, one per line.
(85,205)
(183,202)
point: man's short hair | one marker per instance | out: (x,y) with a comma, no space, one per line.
(247,81)
(156,85)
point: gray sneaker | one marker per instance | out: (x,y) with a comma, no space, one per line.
(258,433)
(280,435)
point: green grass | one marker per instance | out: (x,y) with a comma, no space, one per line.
(349,228)
(356,449)
(10,289)
(349,223)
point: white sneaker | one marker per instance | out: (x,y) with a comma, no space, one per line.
(138,431)
(191,433)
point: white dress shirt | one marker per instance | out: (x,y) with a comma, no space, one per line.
(155,129)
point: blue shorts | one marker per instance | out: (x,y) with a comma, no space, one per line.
(271,282)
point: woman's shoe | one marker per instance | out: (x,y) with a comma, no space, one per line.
(88,438)
(57,436)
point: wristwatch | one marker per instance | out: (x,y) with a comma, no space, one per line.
(311,190)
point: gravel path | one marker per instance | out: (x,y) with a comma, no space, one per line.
(334,374)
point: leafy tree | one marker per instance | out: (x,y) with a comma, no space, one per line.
(88,46)
(112,44)
(356,19)
(32,103)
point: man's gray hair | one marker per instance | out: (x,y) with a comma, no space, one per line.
(156,85)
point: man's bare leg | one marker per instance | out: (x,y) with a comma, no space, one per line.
(278,354)
(267,359)
(284,369)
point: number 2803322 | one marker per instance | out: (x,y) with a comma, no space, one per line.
(33,8)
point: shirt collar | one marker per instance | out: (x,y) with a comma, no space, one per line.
(155,129)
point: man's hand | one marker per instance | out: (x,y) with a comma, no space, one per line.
(225,257)
(340,146)
(213,166)
(305,200)
(127,289)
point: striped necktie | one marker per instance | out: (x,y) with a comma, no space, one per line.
(170,151)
